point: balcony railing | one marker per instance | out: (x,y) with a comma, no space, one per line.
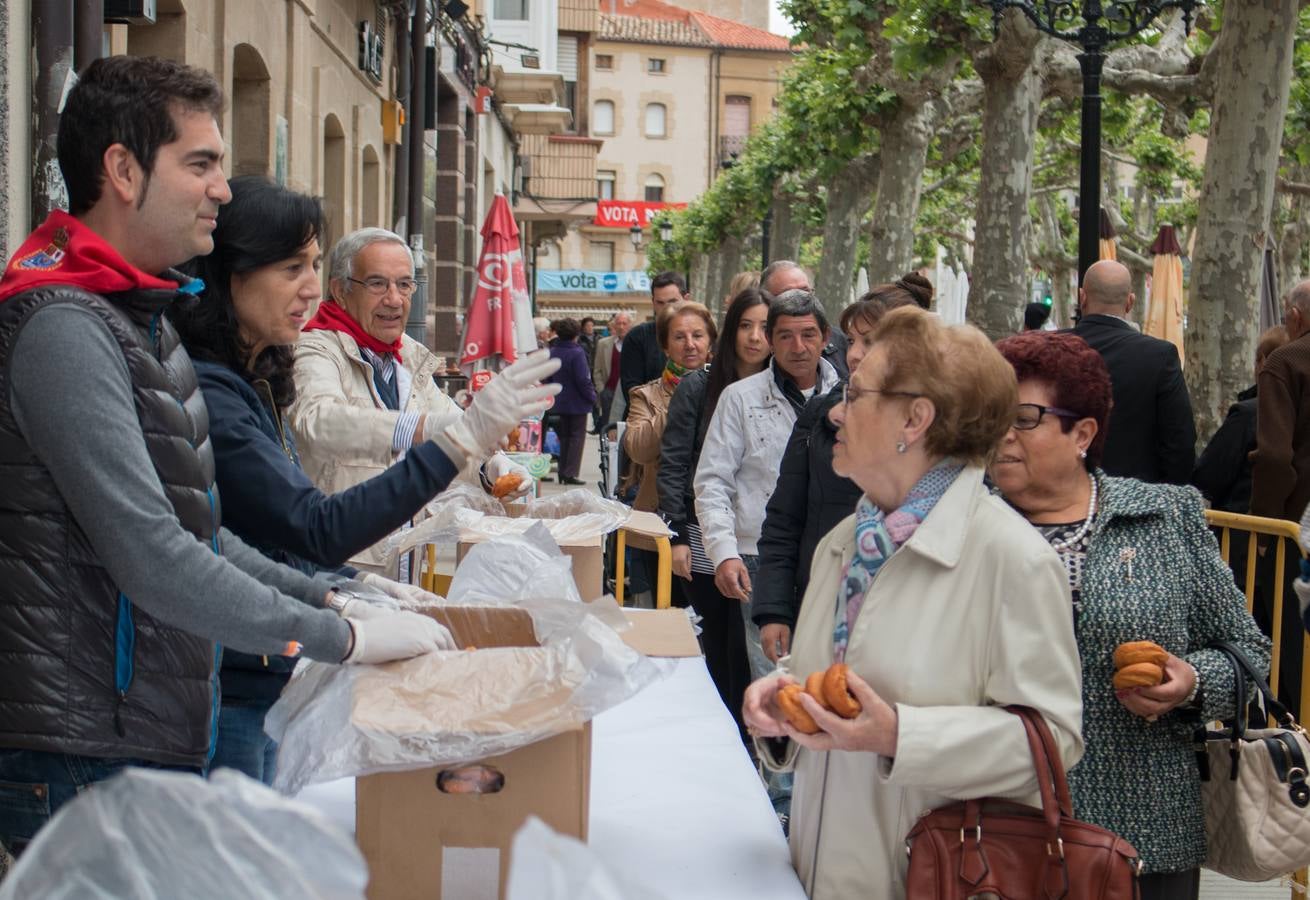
(558,167)
(731,147)
(579,15)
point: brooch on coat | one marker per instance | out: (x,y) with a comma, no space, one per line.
(1126,557)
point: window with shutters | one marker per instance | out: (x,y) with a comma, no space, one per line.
(605,62)
(600,256)
(654,188)
(655,66)
(511,10)
(602,117)
(605,184)
(567,58)
(655,120)
(737,116)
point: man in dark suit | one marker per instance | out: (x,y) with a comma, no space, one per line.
(643,359)
(1151,433)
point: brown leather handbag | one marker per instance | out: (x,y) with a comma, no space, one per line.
(992,849)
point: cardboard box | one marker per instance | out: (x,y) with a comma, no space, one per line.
(588,562)
(445,831)
(425,838)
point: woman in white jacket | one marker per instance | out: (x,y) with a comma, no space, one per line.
(944,603)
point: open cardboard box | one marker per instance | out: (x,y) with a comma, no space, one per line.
(445,831)
(588,556)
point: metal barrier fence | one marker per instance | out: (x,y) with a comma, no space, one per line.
(1282,531)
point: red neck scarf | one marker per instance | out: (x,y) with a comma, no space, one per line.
(332,316)
(64,251)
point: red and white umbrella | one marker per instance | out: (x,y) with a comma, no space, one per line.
(499,319)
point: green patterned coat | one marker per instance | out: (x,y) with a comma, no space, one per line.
(1153,572)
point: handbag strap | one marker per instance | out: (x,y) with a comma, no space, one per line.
(1248,674)
(1051,781)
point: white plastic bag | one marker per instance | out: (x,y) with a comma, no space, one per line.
(154,835)
(455,707)
(546,865)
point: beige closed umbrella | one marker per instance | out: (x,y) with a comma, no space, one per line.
(1164,314)
(1109,249)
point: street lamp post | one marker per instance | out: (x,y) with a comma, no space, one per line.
(1103,24)
(635,234)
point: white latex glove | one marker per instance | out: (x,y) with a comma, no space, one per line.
(499,465)
(511,396)
(407,594)
(1305,529)
(395,635)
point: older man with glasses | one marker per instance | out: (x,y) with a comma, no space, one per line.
(364,389)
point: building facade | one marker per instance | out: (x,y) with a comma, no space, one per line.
(674,93)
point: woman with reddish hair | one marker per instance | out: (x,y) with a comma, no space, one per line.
(1142,565)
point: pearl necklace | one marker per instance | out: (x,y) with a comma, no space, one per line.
(1072,540)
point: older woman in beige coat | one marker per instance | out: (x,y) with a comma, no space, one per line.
(944,603)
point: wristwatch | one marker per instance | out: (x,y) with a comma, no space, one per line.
(339,598)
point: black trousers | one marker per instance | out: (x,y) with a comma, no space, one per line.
(723,639)
(572,439)
(1289,663)
(1171,885)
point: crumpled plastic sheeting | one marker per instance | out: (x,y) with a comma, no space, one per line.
(571,516)
(154,835)
(455,707)
(546,865)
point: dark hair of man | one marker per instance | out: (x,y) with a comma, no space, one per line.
(566,329)
(1035,316)
(798,304)
(128,100)
(666,278)
(587,319)
(264,224)
(724,370)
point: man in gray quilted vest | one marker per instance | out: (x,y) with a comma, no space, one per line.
(118,585)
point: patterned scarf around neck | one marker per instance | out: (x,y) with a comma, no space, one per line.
(877,536)
(672,374)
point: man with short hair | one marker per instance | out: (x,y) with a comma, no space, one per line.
(118,577)
(1151,435)
(606,368)
(742,452)
(364,388)
(783,275)
(747,436)
(643,359)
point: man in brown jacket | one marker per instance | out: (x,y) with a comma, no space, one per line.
(1280,474)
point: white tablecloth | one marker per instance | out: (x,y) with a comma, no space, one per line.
(676,805)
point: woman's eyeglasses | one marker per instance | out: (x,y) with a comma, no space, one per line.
(850,394)
(377,285)
(1029,415)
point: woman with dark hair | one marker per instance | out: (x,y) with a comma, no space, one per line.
(1141,565)
(576,398)
(260,283)
(810,498)
(742,351)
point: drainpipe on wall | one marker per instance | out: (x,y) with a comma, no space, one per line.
(414,143)
(404,82)
(52,63)
(88,40)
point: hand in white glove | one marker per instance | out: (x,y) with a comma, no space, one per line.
(407,594)
(499,465)
(395,635)
(1305,529)
(511,396)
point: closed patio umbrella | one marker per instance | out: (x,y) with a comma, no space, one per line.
(1164,315)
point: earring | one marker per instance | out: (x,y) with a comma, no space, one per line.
(901,446)
(1082,454)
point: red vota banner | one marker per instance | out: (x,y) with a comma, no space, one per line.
(626,213)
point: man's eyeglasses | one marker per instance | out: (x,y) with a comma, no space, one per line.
(377,285)
(850,394)
(1029,415)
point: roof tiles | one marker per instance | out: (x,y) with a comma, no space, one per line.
(656,22)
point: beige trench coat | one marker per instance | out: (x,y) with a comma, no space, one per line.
(343,429)
(971,614)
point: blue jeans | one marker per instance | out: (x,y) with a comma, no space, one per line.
(34,784)
(242,744)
